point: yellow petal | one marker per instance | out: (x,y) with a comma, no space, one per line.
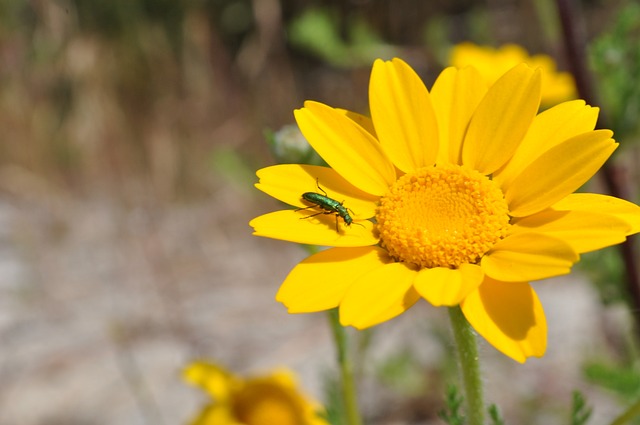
(528,256)
(379,295)
(362,120)
(215,413)
(584,231)
(548,129)
(320,281)
(213,379)
(603,204)
(510,317)
(403,115)
(295,226)
(442,286)
(347,147)
(287,182)
(502,119)
(455,96)
(281,377)
(558,172)
(491,62)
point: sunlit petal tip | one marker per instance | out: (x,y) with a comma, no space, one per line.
(603,204)
(362,120)
(347,147)
(313,104)
(502,119)
(455,95)
(403,115)
(276,182)
(400,62)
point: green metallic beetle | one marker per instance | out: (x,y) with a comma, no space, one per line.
(329,205)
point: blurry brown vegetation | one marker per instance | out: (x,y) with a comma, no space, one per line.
(136,98)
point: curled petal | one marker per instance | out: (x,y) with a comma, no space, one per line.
(509,316)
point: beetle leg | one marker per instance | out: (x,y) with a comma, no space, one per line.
(318,185)
(305,208)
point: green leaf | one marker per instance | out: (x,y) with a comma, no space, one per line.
(580,411)
(452,414)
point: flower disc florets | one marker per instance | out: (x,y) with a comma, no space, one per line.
(264,402)
(442,216)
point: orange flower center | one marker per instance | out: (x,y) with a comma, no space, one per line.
(442,216)
(265,403)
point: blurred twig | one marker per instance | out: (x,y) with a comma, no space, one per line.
(575,41)
(627,416)
(129,368)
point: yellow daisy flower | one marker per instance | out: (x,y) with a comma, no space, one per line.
(492,63)
(265,400)
(461,195)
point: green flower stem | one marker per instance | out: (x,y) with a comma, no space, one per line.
(349,397)
(469,365)
(346,370)
(631,413)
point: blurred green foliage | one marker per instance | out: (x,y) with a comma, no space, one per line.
(495,416)
(16,15)
(615,57)
(622,379)
(403,373)
(452,413)
(317,32)
(606,270)
(580,410)
(333,400)
(234,168)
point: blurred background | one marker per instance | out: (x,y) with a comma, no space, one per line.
(130,132)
